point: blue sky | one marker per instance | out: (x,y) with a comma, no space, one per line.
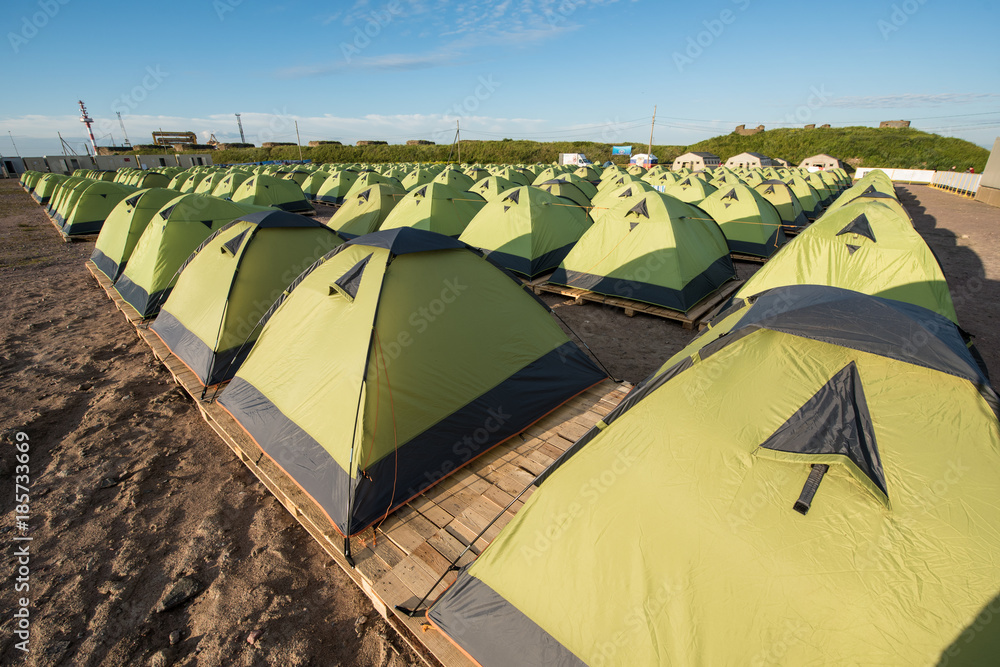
(531,69)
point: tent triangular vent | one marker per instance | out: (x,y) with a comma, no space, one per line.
(859,225)
(515,196)
(627,193)
(422,192)
(640,209)
(769,190)
(835,422)
(731,195)
(851,249)
(364,195)
(133,200)
(632,225)
(506,208)
(348,284)
(165,213)
(233,244)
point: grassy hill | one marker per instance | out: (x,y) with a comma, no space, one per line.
(857,146)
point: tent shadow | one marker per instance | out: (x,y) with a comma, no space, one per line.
(979,643)
(975,296)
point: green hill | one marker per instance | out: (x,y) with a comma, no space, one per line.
(857,146)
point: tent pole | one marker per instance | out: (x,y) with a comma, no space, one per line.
(649,152)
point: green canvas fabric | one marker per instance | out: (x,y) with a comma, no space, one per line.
(364,212)
(429,342)
(454,179)
(435,207)
(526,230)
(897,264)
(229,282)
(68,195)
(279,193)
(691,190)
(609,198)
(312,184)
(681,520)
(659,250)
(751,224)
(777,192)
(123,227)
(809,198)
(46,186)
(93,206)
(168,240)
(228,185)
(491,187)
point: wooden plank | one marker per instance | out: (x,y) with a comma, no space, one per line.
(740,257)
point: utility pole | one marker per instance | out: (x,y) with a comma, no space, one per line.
(649,153)
(297,140)
(66,146)
(458,140)
(12,143)
(122,123)
(240,123)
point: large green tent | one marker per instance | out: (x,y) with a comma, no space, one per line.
(568,190)
(279,193)
(454,179)
(811,488)
(660,251)
(123,227)
(435,207)
(867,247)
(225,287)
(313,183)
(751,223)
(227,187)
(340,185)
(809,198)
(93,206)
(395,360)
(66,193)
(365,211)
(491,187)
(168,240)
(527,230)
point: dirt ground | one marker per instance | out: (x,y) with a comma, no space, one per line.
(131,492)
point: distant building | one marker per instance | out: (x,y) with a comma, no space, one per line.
(822,162)
(276,144)
(372,142)
(824,126)
(778,162)
(894,123)
(810,127)
(644,160)
(314,144)
(419,142)
(695,161)
(749,160)
(743,131)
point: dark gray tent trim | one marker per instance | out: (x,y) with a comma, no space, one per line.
(209,366)
(715,276)
(485,422)
(766,249)
(493,631)
(106,265)
(530,267)
(87,227)
(145,304)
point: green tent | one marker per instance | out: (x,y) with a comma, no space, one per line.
(63,190)
(93,206)
(875,183)
(572,192)
(227,187)
(435,207)
(193,180)
(826,192)
(491,187)
(609,198)
(312,184)
(279,193)
(339,185)
(454,179)
(69,194)
(207,185)
(751,223)
(810,489)
(364,212)
(691,190)
(123,227)
(809,198)
(395,360)
(514,176)
(418,176)
(527,230)
(297,175)
(169,239)
(793,218)
(660,251)
(226,286)
(866,247)
(179,180)
(46,186)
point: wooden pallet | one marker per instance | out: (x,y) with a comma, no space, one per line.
(398,561)
(688,320)
(66,237)
(740,257)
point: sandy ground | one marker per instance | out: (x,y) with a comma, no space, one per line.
(131,491)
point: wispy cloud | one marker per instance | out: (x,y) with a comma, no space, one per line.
(389,61)
(909,100)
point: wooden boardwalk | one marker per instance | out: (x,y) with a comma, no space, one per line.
(399,561)
(689,320)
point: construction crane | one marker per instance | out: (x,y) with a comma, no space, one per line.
(122,123)
(88,121)
(240,123)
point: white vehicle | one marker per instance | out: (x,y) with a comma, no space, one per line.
(574,158)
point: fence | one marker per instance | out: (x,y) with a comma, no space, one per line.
(961,183)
